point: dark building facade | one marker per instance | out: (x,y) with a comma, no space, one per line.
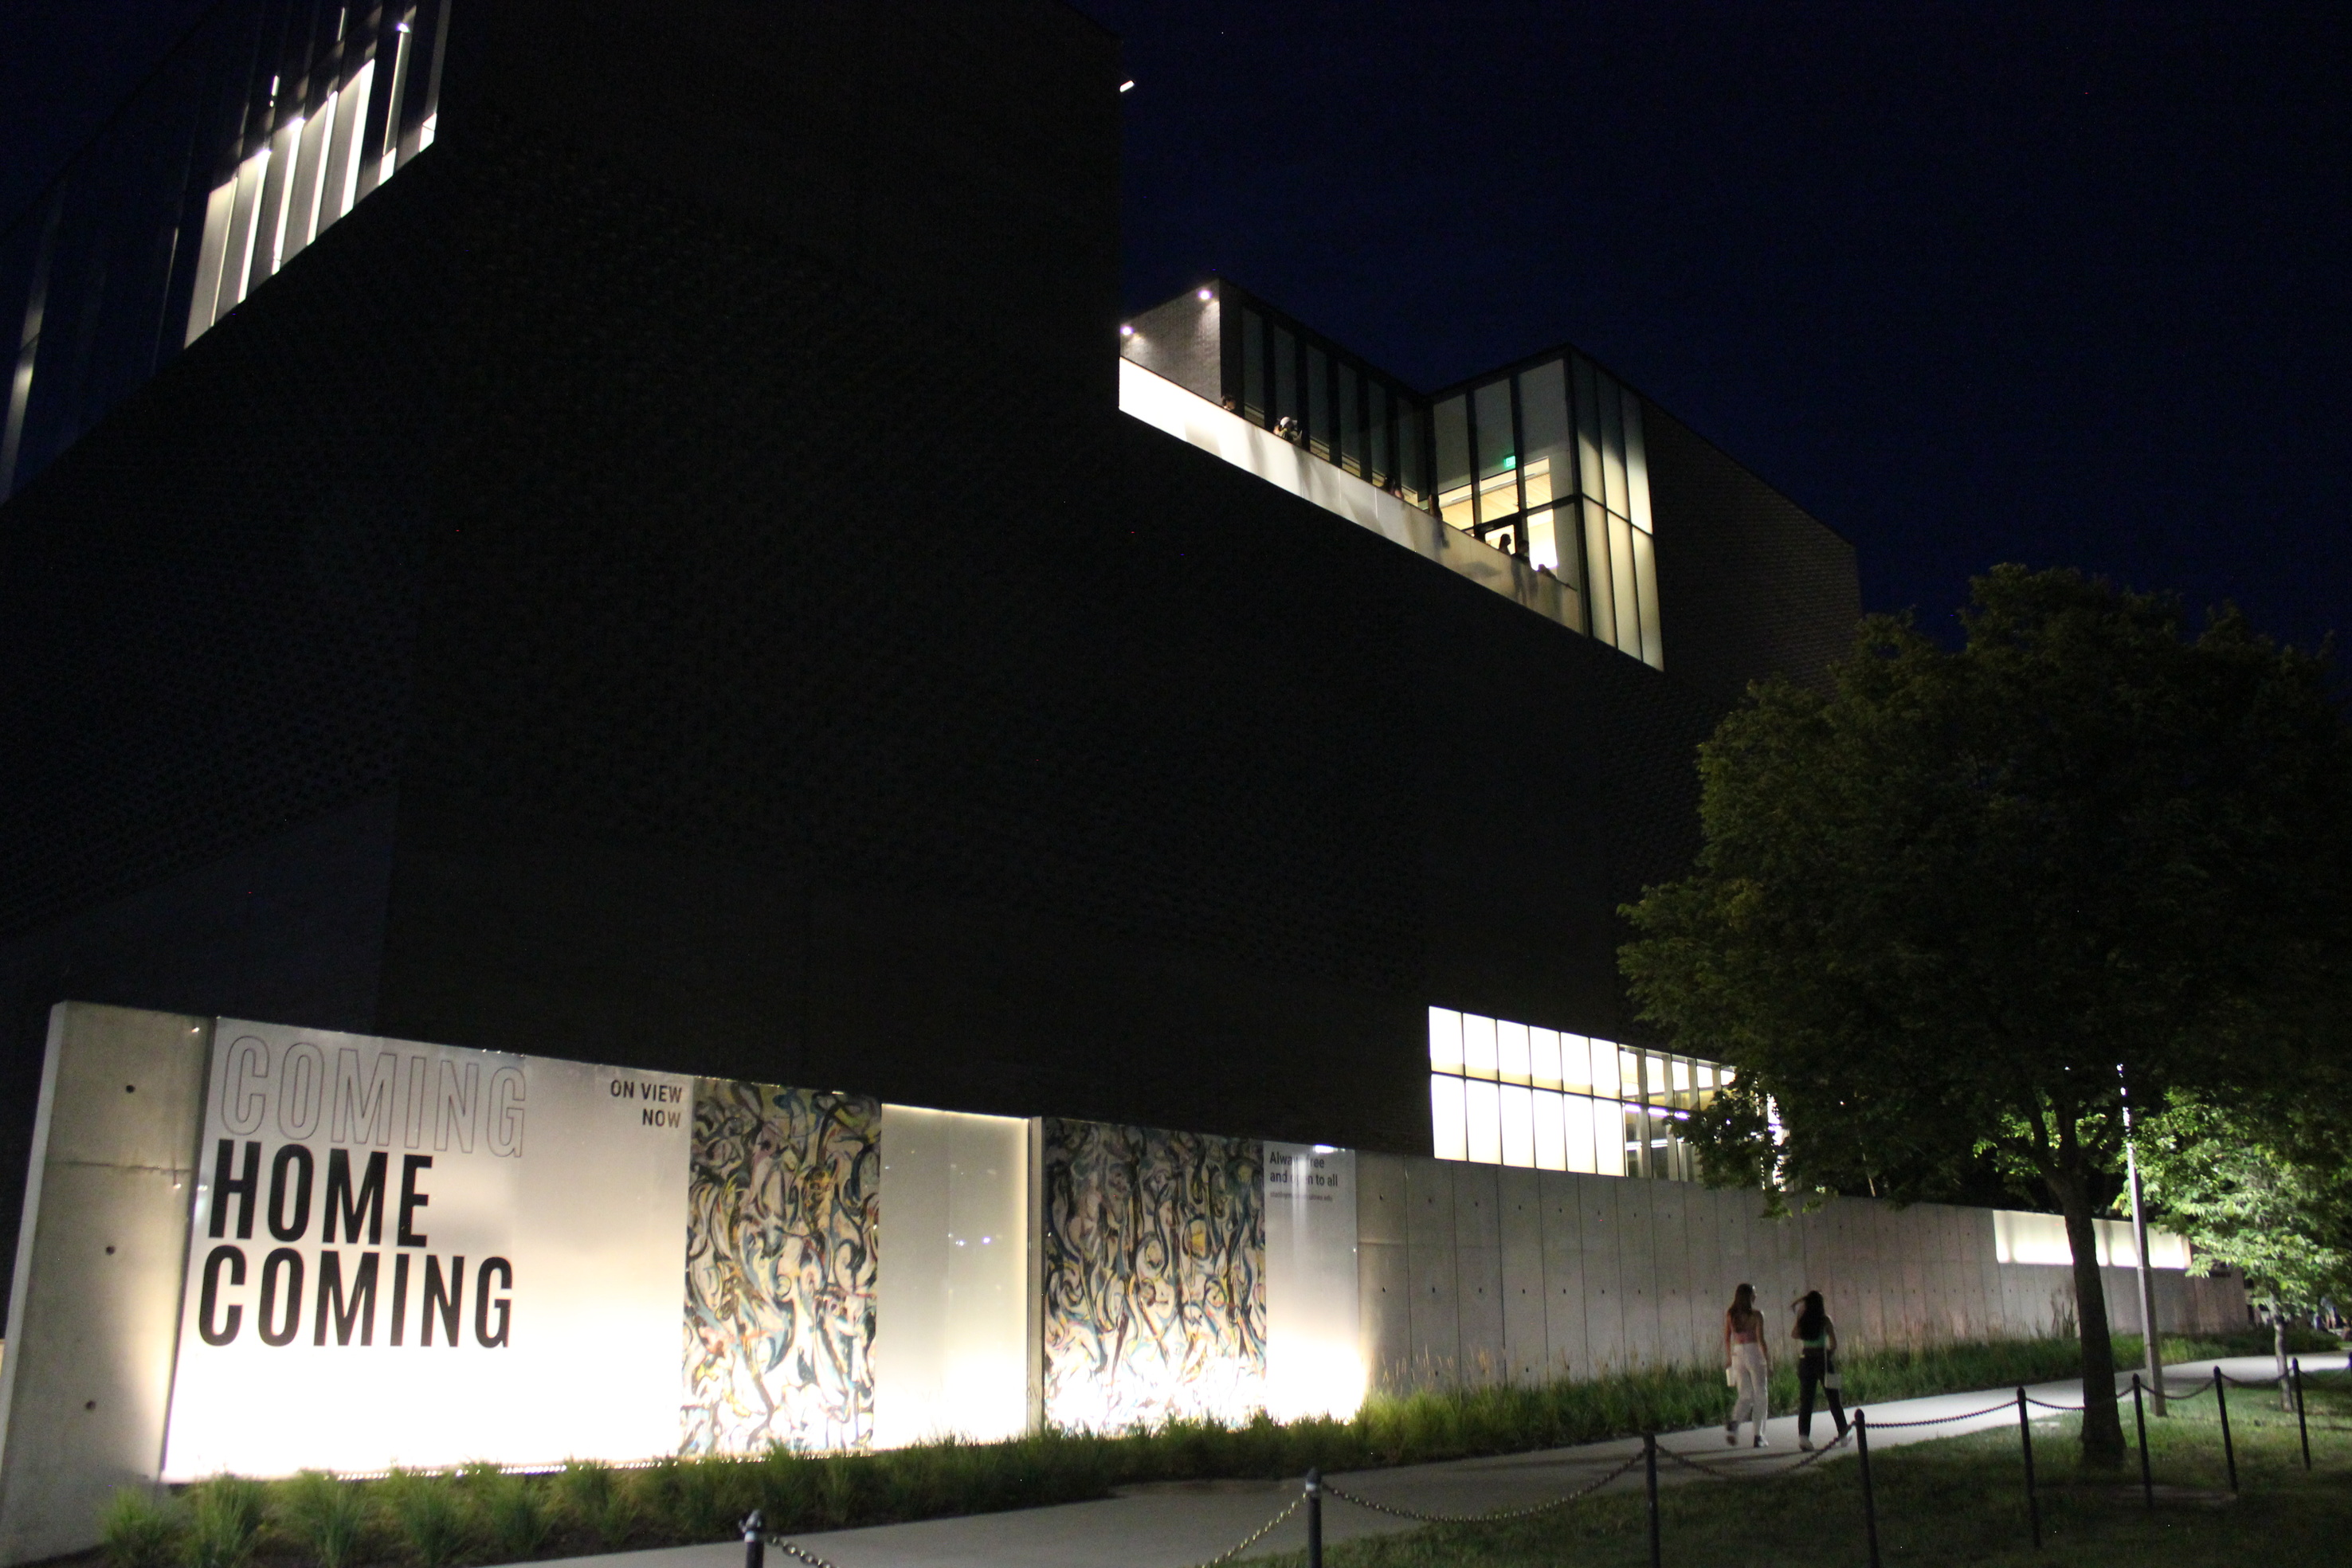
(631,549)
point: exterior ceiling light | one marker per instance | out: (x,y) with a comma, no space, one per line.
(1126,87)
(1126,331)
(1205,295)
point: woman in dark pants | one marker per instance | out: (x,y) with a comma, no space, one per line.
(1816,1339)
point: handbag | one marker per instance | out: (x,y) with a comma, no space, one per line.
(1731,1377)
(1831,1376)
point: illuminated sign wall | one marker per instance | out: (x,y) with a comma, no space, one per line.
(410,1254)
(418,1255)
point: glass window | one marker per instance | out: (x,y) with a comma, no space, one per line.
(1604,1070)
(1444,1040)
(1497,453)
(1350,433)
(1254,367)
(1551,1143)
(1598,595)
(1588,429)
(1575,1062)
(1482,1107)
(1543,1058)
(1612,445)
(1645,598)
(1413,452)
(1511,1052)
(1498,479)
(1637,465)
(1517,1107)
(1576,1129)
(1477,1045)
(1318,402)
(1446,1110)
(1498,498)
(1608,1138)
(1543,542)
(1453,429)
(1285,375)
(1620,578)
(1380,470)
(1543,427)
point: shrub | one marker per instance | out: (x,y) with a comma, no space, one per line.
(324,1517)
(426,1516)
(591,1498)
(510,1512)
(223,1522)
(140,1529)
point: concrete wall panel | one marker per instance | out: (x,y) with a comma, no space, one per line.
(1526,1338)
(94,1317)
(1565,1291)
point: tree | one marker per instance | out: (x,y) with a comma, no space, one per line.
(2265,1187)
(1948,908)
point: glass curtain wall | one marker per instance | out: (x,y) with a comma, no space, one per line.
(1505,1093)
(1547,463)
(1307,389)
(268,122)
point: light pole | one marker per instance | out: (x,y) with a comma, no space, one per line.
(2154,1363)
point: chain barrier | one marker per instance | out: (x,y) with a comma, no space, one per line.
(1693,1462)
(1254,1536)
(754,1539)
(798,1552)
(2003,1408)
(1496,1518)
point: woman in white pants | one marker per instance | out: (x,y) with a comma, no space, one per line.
(1748,1363)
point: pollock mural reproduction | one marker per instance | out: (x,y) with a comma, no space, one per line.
(783,1200)
(1154,1276)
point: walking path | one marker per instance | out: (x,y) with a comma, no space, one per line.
(1175,1524)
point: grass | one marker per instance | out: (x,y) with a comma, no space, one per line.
(1961,1500)
(478,1514)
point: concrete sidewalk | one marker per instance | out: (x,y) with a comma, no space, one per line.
(1176,1524)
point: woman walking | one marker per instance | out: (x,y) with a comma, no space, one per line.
(1748,1363)
(1816,1338)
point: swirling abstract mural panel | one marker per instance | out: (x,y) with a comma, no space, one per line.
(1155,1266)
(782,1206)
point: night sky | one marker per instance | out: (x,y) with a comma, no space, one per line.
(2061,284)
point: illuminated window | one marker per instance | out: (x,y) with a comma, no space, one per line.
(310,172)
(1507,1093)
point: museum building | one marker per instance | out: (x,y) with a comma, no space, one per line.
(635,543)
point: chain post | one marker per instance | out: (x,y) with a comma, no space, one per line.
(2229,1449)
(1315,1517)
(1869,1496)
(755,1541)
(2139,1419)
(2302,1428)
(1650,1464)
(2025,1441)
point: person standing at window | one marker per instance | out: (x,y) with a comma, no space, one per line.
(1747,1364)
(1816,1338)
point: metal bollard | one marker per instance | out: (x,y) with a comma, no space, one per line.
(2025,1440)
(1650,1463)
(2222,1403)
(755,1540)
(2139,1419)
(2302,1428)
(1315,1518)
(1869,1496)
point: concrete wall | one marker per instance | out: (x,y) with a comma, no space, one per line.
(1484,1274)
(93,1319)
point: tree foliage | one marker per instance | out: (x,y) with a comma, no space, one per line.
(1947,908)
(2264,1186)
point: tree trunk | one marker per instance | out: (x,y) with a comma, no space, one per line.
(2278,1349)
(2103,1425)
